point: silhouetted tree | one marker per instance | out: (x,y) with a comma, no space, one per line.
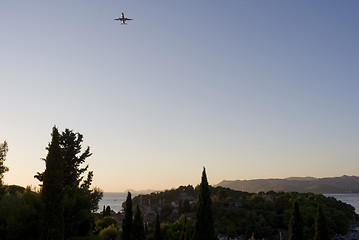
(321,230)
(158,234)
(52,214)
(108,211)
(3,151)
(138,226)
(73,158)
(127,221)
(204,224)
(295,224)
(81,200)
(78,201)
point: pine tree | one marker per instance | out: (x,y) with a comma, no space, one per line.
(204,224)
(127,221)
(158,234)
(295,224)
(138,226)
(51,216)
(321,230)
(3,151)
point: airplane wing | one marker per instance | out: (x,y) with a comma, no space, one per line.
(129,19)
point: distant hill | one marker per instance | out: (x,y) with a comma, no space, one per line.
(344,184)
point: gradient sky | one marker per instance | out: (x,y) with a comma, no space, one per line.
(248,89)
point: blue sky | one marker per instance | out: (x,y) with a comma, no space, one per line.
(249,89)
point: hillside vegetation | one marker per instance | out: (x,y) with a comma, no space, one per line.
(236,213)
(344,184)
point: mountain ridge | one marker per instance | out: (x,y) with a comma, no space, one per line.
(327,185)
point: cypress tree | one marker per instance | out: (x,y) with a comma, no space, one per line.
(108,211)
(138,226)
(51,217)
(158,234)
(184,231)
(295,224)
(321,230)
(3,168)
(127,221)
(204,224)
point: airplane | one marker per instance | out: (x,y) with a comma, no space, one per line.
(123,19)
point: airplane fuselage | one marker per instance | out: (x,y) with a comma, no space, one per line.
(123,19)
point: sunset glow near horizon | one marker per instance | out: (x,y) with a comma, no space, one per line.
(248,89)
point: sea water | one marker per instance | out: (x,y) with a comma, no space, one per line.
(112,199)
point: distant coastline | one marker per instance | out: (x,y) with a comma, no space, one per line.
(330,185)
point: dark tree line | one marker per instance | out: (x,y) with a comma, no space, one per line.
(262,215)
(64,206)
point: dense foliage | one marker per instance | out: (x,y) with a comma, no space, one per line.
(19,213)
(65,205)
(263,215)
(77,200)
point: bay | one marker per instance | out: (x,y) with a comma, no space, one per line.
(112,199)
